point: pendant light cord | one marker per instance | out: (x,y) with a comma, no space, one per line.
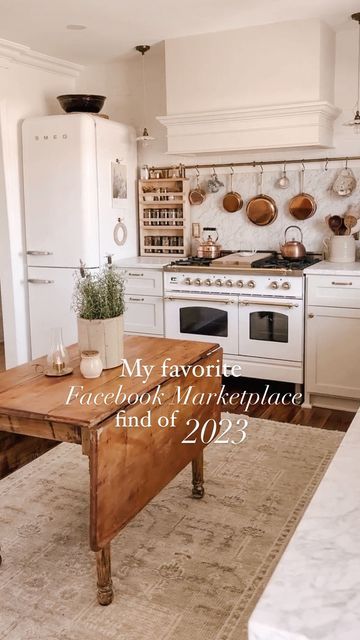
(358,70)
(144,91)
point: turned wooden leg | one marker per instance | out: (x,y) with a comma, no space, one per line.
(104,583)
(198,477)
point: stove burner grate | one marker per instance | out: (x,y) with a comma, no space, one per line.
(278,262)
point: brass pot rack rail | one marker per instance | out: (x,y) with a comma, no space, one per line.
(259,163)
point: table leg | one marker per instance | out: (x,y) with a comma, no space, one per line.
(104,583)
(198,477)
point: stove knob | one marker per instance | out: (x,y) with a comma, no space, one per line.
(239,283)
(218,283)
(197,281)
(229,283)
(251,284)
(187,281)
(207,282)
(286,285)
(274,285)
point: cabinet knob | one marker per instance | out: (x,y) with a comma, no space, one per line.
(311,315)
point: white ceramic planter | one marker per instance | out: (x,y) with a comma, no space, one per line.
(105,336)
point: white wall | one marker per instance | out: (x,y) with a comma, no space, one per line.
(236,230)
(24,91)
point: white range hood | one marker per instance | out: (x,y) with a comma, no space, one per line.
(267,87)
(307,124)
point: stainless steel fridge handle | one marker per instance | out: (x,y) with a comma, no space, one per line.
(40,281)
(39,253)
(288,305)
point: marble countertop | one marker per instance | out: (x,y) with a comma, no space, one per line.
(314,593)
(143,262)
(326,268)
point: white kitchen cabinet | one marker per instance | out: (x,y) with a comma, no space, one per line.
(332,338)
(143,282)
(144,301)
(144,315)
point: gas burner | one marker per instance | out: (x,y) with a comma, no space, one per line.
(191,261)
(275,261)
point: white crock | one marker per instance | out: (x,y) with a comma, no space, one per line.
(340,249)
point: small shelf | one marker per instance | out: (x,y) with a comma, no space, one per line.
(158,226)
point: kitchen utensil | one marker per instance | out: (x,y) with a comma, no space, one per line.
(293,249)
(350,221)
(340,249)
(302,206)
(232,201)
(283,182)
(335,223)
(81,102)
(209,247)
(261,210)
(345,182)
(214,183)
(197,195)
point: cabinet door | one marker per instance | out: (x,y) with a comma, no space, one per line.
(141,282)
(332,351)
(144,314)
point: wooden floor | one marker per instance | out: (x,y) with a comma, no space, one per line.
(315,417)
(2,357)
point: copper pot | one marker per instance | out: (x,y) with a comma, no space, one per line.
(209,247)
(293,249)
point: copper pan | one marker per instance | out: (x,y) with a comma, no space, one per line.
(232,201)
(197,195)
(261,210)
(303,205)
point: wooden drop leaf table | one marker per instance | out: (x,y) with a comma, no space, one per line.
(128,465)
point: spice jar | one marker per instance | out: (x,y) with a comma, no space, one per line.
(90,364)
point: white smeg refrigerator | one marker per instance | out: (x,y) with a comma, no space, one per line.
(80,204)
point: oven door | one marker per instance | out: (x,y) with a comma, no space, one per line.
(203,317)
(271,328)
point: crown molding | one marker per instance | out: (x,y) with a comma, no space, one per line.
(12,52)
(306,124)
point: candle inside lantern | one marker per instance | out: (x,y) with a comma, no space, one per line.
(58,358)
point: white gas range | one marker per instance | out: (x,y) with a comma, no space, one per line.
(255,314)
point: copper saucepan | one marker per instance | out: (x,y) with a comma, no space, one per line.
(261,210)
(232,201)
(302,206)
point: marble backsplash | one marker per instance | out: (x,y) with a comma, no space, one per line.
(237,232)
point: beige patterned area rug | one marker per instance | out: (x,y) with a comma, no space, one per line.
(182,569)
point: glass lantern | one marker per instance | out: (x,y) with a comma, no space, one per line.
(58,357)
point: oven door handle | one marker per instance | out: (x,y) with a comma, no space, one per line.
(288,305)
(200,299)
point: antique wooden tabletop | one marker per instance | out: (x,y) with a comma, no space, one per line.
(128,466)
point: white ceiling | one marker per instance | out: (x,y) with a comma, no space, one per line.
(114,27)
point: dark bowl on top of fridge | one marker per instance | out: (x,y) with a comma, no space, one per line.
(81,102)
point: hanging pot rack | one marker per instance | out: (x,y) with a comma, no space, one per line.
(258,163)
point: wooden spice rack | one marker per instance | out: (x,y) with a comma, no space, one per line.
(164,217)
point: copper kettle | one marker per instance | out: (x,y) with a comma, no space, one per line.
(293,249)
(209,247)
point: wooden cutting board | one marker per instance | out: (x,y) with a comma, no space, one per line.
(237,260)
